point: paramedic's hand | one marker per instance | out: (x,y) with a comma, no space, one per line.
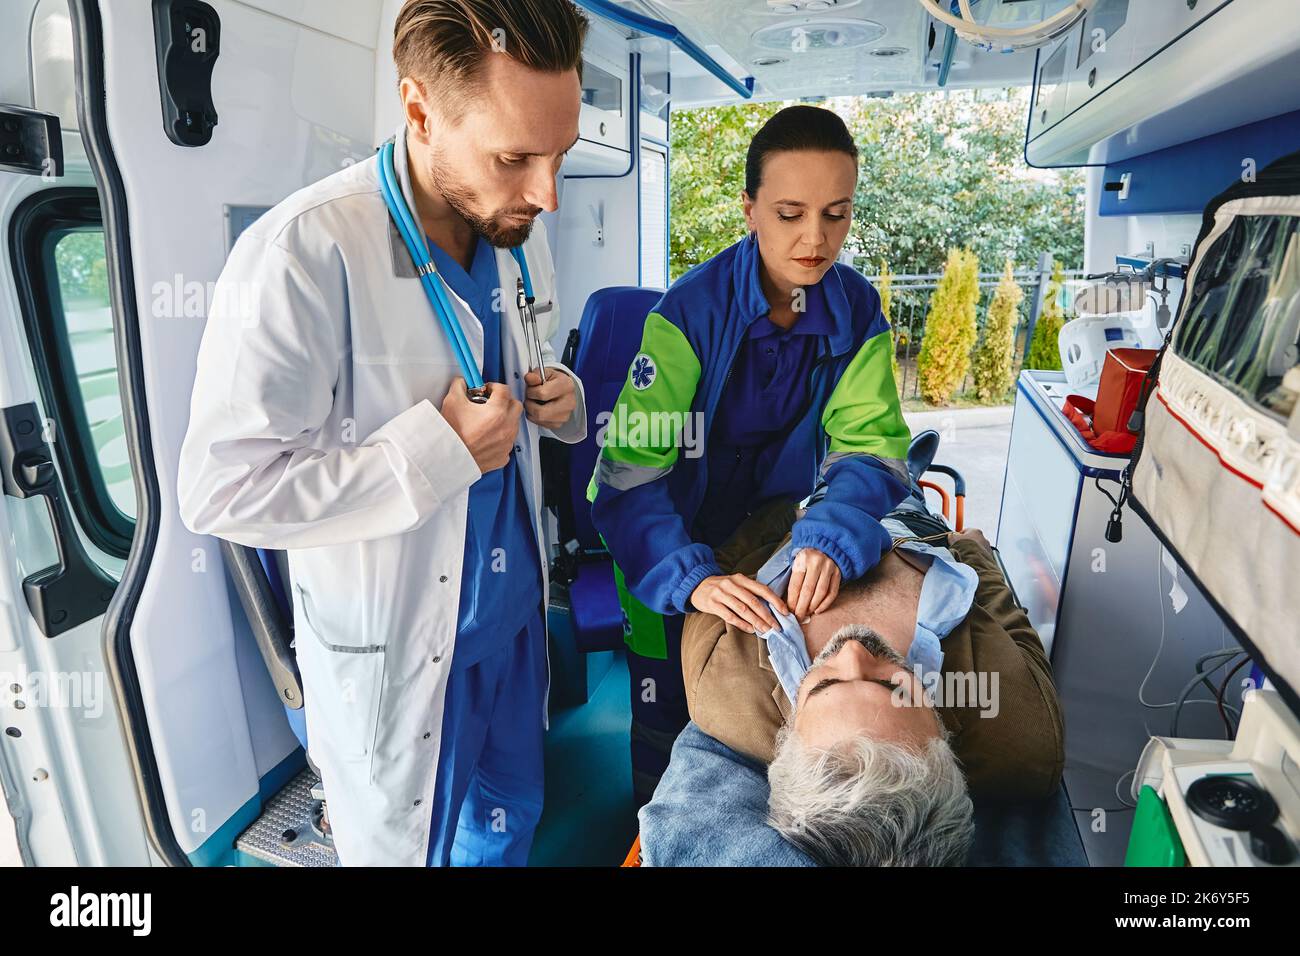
(814,583)
(971,534)
(549,405)
(738,600)
(488,430)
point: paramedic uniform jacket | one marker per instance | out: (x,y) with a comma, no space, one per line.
(734,695)
(315,428)
(646,495)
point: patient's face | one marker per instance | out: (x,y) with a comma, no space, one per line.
(859,685)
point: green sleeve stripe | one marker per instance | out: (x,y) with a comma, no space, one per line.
(863,414)
(646,423)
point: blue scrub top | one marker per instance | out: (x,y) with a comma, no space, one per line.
(501,584)
(767,390)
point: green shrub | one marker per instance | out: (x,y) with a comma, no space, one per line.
(993,362)
(950,328)
(1044,351)
(885,286)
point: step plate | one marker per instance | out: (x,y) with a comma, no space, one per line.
(290,809)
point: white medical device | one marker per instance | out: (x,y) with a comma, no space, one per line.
(1233,802)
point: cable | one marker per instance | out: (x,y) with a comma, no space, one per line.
(1120,797)
(1113,500)
(1160,596)
(1123,805)
(1123,809)
(1223,689)
(1202,677)
(1007,38)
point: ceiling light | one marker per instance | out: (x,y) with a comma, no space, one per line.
(819,34)
(787,7)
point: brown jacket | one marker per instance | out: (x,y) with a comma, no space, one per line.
(734,696)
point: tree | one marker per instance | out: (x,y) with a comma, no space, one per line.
(937,170)
(950,328)
(993,361)
(1044,349)
(885,286)
(708,176)
(79,260)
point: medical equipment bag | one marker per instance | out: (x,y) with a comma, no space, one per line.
(1104,423)
(1216,472)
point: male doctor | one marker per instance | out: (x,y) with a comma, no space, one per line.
(330,419)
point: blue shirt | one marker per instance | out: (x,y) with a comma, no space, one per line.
(766,392)
(501,584)
(947,593)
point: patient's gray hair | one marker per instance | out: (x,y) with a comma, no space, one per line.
(870,802)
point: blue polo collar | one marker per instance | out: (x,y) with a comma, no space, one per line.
(753,303)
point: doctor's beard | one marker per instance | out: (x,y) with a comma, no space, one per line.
(497,229)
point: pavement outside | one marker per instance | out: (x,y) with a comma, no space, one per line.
(974,441)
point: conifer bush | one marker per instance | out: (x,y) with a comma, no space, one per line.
(1044,351)
(950,328)
(884,286)
(993,362)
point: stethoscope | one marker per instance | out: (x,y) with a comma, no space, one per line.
(436,291)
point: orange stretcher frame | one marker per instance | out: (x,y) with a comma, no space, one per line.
(957,519)
(634,855)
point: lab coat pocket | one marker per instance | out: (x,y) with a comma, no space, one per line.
(342,686)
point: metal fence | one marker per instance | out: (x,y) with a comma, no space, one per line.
(910,304)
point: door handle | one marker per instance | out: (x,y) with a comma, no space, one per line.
(75,589)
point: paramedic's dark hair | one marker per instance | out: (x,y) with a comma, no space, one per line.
(443,43)
(796,128)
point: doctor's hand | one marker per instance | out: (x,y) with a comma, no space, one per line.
(549,405)
(488,430)
(738,600)
(814,583)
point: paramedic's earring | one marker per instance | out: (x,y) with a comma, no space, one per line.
(753,235)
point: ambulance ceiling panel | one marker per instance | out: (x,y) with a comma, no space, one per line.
(812,48)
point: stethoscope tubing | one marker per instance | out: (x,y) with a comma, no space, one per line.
(429,277)
(436,292)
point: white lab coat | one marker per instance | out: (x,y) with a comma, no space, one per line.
(314,428)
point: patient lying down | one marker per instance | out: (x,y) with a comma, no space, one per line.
(923,683)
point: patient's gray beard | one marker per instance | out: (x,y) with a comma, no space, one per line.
(873,642)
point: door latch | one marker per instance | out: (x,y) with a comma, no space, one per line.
(73,590)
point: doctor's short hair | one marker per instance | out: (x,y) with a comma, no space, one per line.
(443,43)
(795,128)
(871,803)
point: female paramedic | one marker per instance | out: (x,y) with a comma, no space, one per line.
(783,356)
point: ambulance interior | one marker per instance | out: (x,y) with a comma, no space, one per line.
(195,758)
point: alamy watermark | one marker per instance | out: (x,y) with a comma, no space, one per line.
(955,689)
(64,690)
(638,429)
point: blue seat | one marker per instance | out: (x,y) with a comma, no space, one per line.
(609,336)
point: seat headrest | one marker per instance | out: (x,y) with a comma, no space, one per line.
(609,337)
